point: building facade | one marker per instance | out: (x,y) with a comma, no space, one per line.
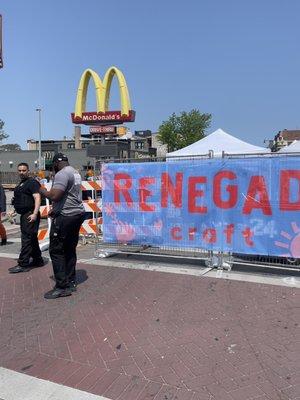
(9,160)
(84,151)
(92,148)
(161,149)
(284,138)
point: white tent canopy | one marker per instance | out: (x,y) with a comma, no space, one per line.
(294,147)
(218,142)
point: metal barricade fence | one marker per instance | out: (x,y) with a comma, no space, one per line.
(213,259)
(104,249)
(9,179)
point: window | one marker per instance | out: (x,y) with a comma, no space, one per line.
(71,145)
(123,154)
(139,145)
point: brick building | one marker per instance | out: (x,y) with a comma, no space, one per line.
(284,138)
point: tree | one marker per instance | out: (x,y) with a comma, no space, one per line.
(182,130)
(10,147)
(3,135)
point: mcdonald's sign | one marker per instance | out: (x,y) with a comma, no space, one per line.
(102,116)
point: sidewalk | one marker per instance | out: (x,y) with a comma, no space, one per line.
(136,335)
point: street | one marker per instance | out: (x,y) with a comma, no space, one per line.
(144,328)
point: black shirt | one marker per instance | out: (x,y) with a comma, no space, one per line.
(23,195)
(29,186)
(2,199)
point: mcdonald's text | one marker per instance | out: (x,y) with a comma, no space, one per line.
(108,117)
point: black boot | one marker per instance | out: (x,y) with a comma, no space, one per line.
(58,292)
(37,263)
(3,242)
(17,269)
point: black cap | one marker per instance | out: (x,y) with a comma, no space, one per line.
(59,157)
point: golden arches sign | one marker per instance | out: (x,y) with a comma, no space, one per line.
(102,90)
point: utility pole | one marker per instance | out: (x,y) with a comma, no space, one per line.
(1,56)
(39,110)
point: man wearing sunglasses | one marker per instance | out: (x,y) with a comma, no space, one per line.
(26,202)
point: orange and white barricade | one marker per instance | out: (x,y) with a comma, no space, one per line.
(43,234)
(90,227)
(91,185)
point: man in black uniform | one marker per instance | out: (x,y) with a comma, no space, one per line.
(67,216)
(26,202)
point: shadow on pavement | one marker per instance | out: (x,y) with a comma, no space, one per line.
(81,276)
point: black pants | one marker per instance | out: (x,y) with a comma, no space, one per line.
(29,241)
(64,235)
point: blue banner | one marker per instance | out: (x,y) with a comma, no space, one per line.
(249,205)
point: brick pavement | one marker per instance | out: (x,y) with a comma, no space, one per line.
(137,335)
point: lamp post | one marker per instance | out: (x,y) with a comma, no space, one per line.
(39,110)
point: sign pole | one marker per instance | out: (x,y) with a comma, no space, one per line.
(39,110)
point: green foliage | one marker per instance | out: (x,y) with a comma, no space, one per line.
(10,147)
(3,136)
(182,130)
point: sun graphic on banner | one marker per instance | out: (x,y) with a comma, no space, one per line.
(292,248)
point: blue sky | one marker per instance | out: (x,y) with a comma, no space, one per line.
(238,60)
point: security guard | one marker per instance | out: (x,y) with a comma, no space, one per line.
(26,202)
(67,216)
